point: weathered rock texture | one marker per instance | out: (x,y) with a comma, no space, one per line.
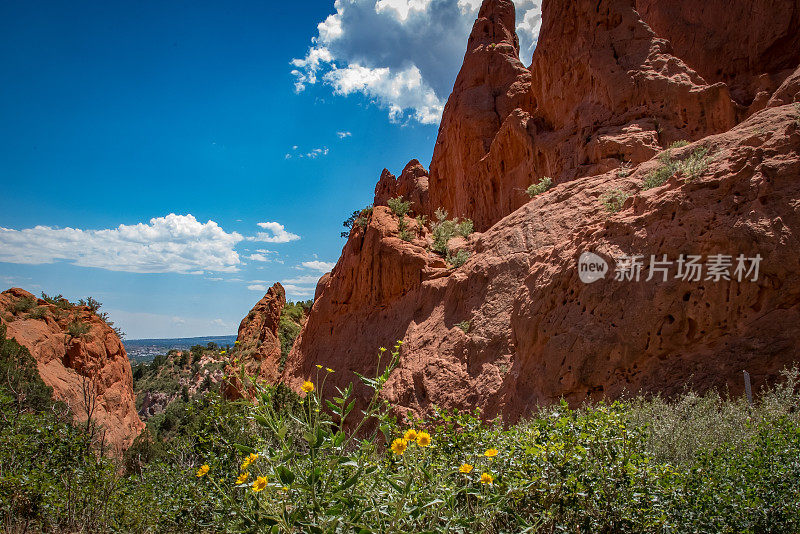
(95,362)
(258,347)
(612,84)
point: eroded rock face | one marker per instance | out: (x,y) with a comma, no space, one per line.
(514,326)
(95,360)
(258,346)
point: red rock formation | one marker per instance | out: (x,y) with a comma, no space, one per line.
(604,89)
(257,345)
(95,360)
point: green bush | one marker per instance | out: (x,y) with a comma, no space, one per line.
(538,188)
(464,326)
(58,301)
(23,305)
(358,218)
(399,206)
(613,200)
(38,312)
(464,227)
(77,329)
(692,166)
(458,258)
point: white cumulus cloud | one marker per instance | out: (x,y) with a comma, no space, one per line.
(402,54)
(276,233)
(171,244)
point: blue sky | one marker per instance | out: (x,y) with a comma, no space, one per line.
(141,145)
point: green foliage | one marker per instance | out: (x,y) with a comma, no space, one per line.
(58,301)
(464,227)
(624,169)
(38,312)
(291,322)
(613,200)
(23,305)
(90,303)
(458,258)
(421,221)
(538,188)
(679,144)
(77,329)
(443,230)
(358,218)
(399,206)
(697,463)
(692,166)
(464,325)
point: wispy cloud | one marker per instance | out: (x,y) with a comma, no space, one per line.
(314,153)
(258,257)
(322,266)
(170,244)
(342,135)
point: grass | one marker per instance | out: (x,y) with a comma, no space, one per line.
(613,200)
(538,188)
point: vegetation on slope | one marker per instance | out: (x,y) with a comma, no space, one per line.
(283,463)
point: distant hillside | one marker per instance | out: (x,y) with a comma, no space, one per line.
(144,350)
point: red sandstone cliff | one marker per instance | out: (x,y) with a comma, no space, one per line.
(95,360)
(612,84)
(257,347)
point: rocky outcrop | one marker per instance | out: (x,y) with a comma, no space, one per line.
(258,348)
(91,364)
(605,97)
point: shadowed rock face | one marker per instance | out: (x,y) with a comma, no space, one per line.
(606,93)
(95,360)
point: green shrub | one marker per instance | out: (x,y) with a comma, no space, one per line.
(23,305)
(399,206)
(38,312)
(692,166)
(538,188)
(464,325)
(421,221)
(443,230)
(58,300)
(624,169)
(358,218)
(679,144)
(77,329)
(613,200)
(457,259)
(464,227)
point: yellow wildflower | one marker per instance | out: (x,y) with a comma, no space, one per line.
(491,453)
(423,439)
(252,457)
(203,470)
(222,352)
(243,478)
(259,484)
(383,349)
(399,446)
(410,435)
(329,370)
(236,342)
(465,468)
(307,386)
(319,366)
(486,478)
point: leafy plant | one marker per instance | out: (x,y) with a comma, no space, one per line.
(464,227)
(38,312)
(692,166)
(421,221)
(679,144)
(443,230)
(613,200)
(458,258)
(464,325)
(59,301)
(624,169)
(540,187)
(399,206)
